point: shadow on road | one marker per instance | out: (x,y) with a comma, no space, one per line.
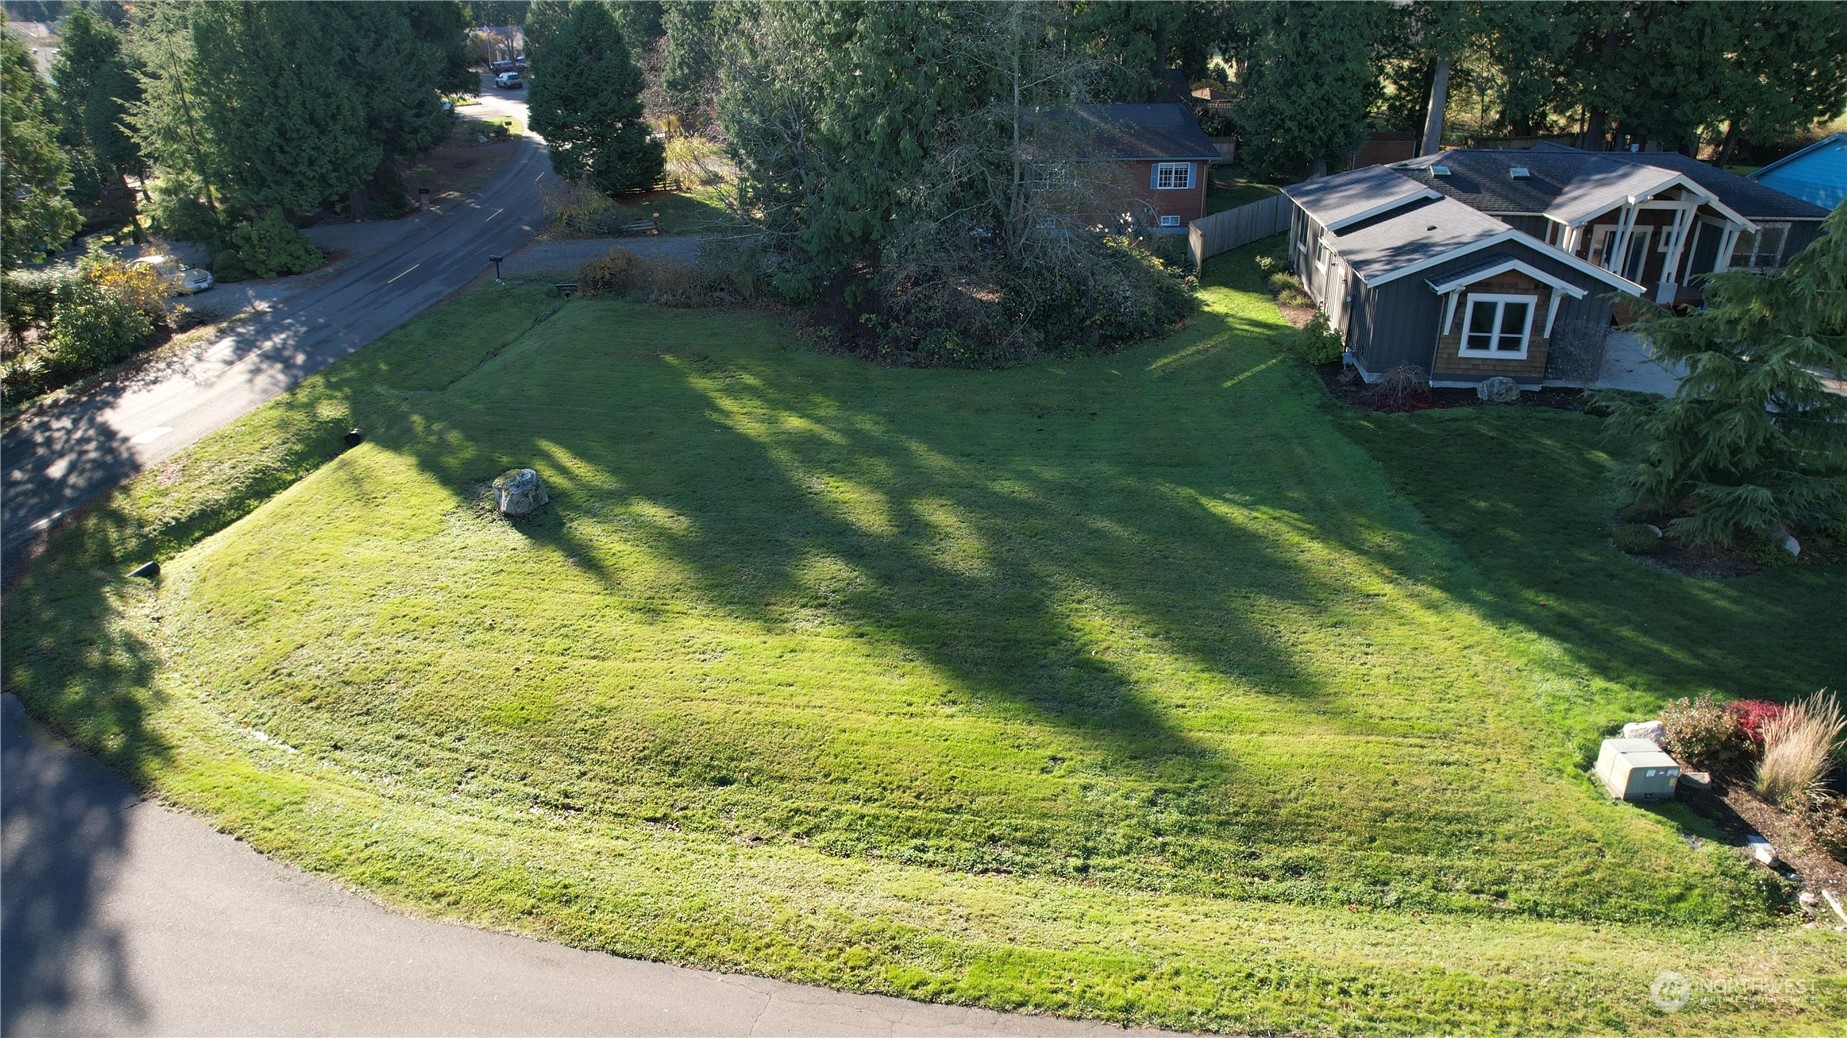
(62,838)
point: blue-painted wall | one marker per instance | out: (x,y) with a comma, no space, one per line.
(1819,176)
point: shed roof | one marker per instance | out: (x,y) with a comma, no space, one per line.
(1146,132)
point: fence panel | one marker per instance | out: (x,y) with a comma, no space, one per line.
(1221,232)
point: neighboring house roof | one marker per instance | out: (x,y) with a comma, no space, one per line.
(1151,132)
(1340,201)
(1563,180)
(1817,173)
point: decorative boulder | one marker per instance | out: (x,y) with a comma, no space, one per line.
(1637,539)
(519,492)
(1653,731)
(1498,390)
(1760,851)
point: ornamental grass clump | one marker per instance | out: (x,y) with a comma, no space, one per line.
(1799,748)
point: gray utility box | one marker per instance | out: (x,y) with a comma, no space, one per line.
(1636,769)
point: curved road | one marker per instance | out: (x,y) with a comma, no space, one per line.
(59,461)
(122,917)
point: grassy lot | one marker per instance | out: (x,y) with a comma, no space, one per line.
(695,209)
(1228,190)
(1149,687)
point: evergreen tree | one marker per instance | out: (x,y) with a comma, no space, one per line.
(543,20)
(291,105)
(585,100)
(35,217)
(1752,442)
(1311,84)
(291,130)
(689,76)
(95,86)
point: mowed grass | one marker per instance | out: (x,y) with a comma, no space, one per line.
(1148,687)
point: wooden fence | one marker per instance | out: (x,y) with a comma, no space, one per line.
(1221,232)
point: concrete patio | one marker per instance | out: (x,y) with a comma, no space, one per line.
(1628,364)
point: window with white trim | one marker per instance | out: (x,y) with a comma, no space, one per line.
(1041,176)
(1497,325)
(1321,254)
(1173,176)
(1760,251)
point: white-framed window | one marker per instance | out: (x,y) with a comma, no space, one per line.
(1170,221)
(1497,325)
(1173,176)
(1321,254)
(1043,176)
(1760,251)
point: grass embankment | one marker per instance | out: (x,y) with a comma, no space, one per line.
(1146,687)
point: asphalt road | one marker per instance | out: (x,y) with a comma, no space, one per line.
(119,916)
(57,462)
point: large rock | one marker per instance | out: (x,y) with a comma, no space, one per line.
(1498,390)
(1653,731)
(519,492)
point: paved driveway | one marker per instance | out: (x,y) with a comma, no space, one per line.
(1627,364)
(123,917)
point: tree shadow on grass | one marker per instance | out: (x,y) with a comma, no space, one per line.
(1527,498)
(1033,556)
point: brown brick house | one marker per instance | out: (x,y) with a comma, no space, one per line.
(1147,164)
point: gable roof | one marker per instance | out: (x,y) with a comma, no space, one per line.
(1150,132)
(1817,173)
(1499,262)
(1377,249)
(1574,180)
(1417,233)
(1348,198)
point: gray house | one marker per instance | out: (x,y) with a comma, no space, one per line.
(1660,219)
(1471,264)
(1410,276)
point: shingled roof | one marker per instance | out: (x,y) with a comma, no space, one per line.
(1148,133)
(1562,179)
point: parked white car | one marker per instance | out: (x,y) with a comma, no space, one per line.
(181,281)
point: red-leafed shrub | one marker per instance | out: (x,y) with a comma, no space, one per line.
(1752,715)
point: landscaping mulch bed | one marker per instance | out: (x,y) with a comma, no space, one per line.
(1738,812)
(1723,562)
(1345,386)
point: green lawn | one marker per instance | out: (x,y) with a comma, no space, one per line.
(1150,687)
(1227,190)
